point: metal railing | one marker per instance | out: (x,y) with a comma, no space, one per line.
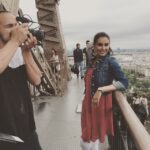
(130,134)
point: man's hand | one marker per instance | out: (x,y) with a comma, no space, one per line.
(96,97)
(19,33)
(30,42)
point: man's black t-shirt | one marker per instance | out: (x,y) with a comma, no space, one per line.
(78,55)
(16,111)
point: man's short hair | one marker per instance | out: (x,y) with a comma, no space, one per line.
(87,41)
(78,44)
(4,11)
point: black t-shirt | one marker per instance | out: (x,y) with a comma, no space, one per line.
(16,111)
(78,55)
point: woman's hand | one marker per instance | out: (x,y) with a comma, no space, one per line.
(96,97)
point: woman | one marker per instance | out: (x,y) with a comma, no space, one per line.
(103,77)
(55,61)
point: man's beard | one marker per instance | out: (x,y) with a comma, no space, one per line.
(3,40)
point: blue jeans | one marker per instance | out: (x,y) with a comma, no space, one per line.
(80,67)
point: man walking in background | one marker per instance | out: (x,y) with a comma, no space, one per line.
(78,59)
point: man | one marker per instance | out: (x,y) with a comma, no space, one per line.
(78,59)
(88,50)
(85,52)
(16,67)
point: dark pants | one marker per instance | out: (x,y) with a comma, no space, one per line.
(31,143)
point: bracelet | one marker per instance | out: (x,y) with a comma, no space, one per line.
(100,90)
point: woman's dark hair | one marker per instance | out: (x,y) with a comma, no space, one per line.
(100,35)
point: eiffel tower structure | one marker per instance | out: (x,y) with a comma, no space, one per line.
(49,21)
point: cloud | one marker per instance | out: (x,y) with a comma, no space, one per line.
(126,21)
(29,7)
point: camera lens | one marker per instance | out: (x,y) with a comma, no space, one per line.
(39,34)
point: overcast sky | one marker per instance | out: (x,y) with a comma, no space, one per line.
(126,21)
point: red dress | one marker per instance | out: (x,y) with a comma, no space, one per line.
(96,121)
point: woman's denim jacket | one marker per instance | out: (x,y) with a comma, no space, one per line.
(107,71)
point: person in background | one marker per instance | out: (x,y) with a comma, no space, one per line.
(90,54)
(17,66)
(78,59)
(85,52)
(102,77)
(140,107)
(55,61)
(144,102)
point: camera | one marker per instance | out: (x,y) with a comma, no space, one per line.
(39,34)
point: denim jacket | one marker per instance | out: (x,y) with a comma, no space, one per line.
(107,71)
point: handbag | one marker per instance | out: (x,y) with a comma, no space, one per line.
(75,69)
